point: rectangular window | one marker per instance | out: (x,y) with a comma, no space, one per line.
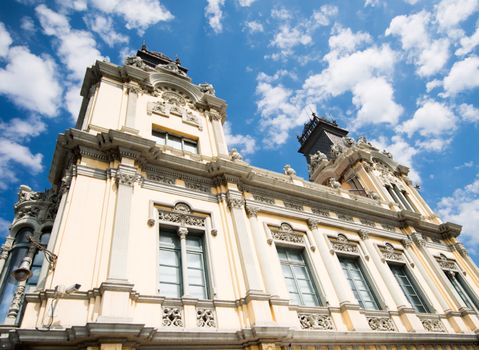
(298,277)
(360,286)
(461,288)
(177,142)
(171,279)
(408,287)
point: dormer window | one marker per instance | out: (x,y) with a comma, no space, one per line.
(174,141)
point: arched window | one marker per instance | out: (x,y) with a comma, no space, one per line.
(8,284)
(37,262)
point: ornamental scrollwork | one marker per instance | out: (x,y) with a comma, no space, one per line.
(17,301)
(342,244)
(125,179)
(172,317)
(445,263)
(383,324)
(286,233)
(321,212)
(235,203)
(292,205)
(345,217)
(433,325)
(181,215)
(205,318)
(389,253)
(263,199)
(40,206)
(315,321)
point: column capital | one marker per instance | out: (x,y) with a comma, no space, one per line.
(252,211)
(363,234)
(418,239)
(237,203)
(406,242)
(460,248)
(182,232)
(313,224)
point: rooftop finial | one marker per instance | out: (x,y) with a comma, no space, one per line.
(143,45)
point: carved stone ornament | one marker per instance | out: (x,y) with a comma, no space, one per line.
(288,170)
(461,249)
(316,160)
(205,318)
(40,206)
(445,263)
(173,98)
(17,301)
(315,321)
(235,155)
(432,325)
(406,242)
(264,199)
(321,212)
(383,324)
(252,211)
(285,233)
(389,227)
(235,202)
(182,208)
(125,179)
(181,215)
(158,107)
(313,224)
(367,222)
(336,151)
(342,244)
(345,217)
(292,205)
(333,183)
(172,317)
(389,253)
(363,234)
(172,67)
(207,88)
(137,62)
(215,115)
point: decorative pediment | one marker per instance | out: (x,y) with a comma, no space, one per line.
(286,233)
(344,245)
(388,252)
(446,264)
(181,215)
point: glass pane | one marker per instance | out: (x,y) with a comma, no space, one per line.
(21,236)
(169,239)
(159,137)
(195,260)
(282,254)
(309,300)
(190,146)
(198,292)
(170,290)
(196,277)
(38,259)
(169,274)
(193,242)
(292,288)
(295,256)
(300,272)
(174,141)
(169,257)
(295,300)
(33,280)
(286,271)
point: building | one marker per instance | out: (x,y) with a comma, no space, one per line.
(154,236)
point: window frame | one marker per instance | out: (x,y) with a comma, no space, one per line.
(414,284)
(183,139)
(464,285)
(309,270)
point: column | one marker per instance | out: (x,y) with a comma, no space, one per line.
(133,93)
(216,118)
(246,248)
(117,271)
(182,232)
(262,252)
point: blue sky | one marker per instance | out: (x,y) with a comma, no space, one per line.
(405,73)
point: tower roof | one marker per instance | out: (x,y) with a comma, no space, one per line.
(153,58)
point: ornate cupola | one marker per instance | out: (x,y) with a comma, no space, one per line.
(320,134)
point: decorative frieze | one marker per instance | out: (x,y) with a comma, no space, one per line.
(389,253)
(382,324)
(161,178)
(125,179)
(181,215)
(205,318)
(263,199)
(433,325)
(388,227)
(195,186)
(368,222)
(235,202)
(292,205)
(321,212)
(285,233)
(345,217)
(315,321)
(342,244)
(445,263)
(252,211)
(172,317)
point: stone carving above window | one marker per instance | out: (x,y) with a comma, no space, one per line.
(432,325)
(205,318)
(383,324)
(321,212)
(368,222)
(172,317)
(345,217)
(286,233)
(181,215)
(316,321)
(293,205)
(264,199)
(445,263)
(342,244)
(389,253)
(39,206)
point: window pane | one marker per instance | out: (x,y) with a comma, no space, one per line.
(193,242)
(45,238)
(159,137)
(198,292)
(170,290)
(358,283)
(196,277)
(170,274)
(170,257)
(190,146)
(297,277)
(174,141)
(195,260)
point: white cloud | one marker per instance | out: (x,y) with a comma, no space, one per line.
(77,48)
(245,3)
(73,100)
(214,14)
(468,43)
(431,85)
(462,207)
(103,26)
(288,37)
(18,129)
(372,3)
(41,94)
(281,13)
(402,152)
(434,144)
(138,14)
(464,75)
(411,2)
(324,14)
(345,72)
(468,164)
(469,113)
(449,13)
(428,55)
(344,41)
(245,144)
(27,24)
(430,120)
(13,154)
(374,98)
(77,5)
(254,26)
(5,40)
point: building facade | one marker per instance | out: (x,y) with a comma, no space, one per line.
(154,236)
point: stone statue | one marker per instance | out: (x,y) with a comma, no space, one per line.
(333,183)
(235,155)
(207,88)
(288,170)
